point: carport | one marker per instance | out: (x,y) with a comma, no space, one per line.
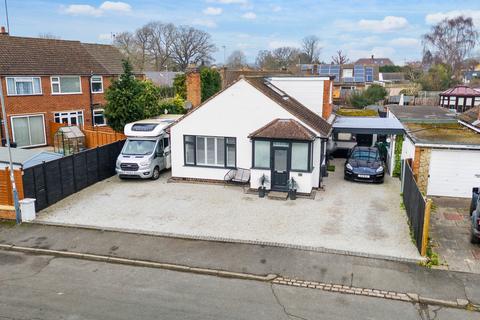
(350,131)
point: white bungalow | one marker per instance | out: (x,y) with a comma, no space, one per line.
(277,127)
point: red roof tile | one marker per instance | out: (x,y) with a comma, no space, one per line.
(284,129)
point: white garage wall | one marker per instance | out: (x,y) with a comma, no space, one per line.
(408,149)
(236,112)
(308,91)
(453,173)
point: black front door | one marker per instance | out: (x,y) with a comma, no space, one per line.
(280,172)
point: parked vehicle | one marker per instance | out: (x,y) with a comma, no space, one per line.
(365,164)
(475,213)
(147,149)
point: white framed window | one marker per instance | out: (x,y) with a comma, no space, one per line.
(347,73)
(96,83)
(261,154)
(29,130)
(66,84)
(210,151)
(72,118)
(24,86)
(99,118)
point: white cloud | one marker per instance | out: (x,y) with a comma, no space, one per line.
(204,23)
(82,10)
(105,36)
(282,43)
(213,11)
(388,24)
(249,15)
(434,18)
(380,52)
(88,10)
(405,42)
(115,6)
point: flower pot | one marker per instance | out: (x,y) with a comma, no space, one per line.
(292,194)
(261,192)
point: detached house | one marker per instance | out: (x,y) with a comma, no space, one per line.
(46,80)
(276,127)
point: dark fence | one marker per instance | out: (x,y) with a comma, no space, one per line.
(54,180)
(415,205)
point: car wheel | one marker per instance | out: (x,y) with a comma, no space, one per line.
(156,173)
(474,239)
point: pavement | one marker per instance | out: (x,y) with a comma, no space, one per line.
(252,259)
(45,287)
(450,233)
(350,218)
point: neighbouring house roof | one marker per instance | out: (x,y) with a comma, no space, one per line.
(425,114)
(290,104)
(442,134)
(375,61)
(230,76)
(368,125)
(471,116)
(26,157)
(461,91)
(162,78)
(37,56)
(284,129)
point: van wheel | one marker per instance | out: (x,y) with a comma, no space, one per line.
(156,173)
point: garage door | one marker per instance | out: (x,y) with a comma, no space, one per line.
(453,173)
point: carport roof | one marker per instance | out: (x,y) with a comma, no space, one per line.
(368,125)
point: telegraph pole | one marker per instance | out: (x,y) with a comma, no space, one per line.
(10,162)
(6,16)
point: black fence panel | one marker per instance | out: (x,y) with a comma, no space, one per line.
(414,205)
(54,180)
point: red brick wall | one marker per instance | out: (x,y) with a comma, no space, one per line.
(48,104)
(327,105)
(194,90)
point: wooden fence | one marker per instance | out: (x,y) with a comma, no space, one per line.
(6,195)
(95,136)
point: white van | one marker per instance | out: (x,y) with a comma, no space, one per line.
(147,149)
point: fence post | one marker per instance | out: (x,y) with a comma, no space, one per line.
(426,227)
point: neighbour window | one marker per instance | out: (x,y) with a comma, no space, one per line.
(300,156)
(99,118)
(347,73)
(66,85)
(28,130)
(72,118)
(210,151)
(97,84)
(261,152)
(23,86)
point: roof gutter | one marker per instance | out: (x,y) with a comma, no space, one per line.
(468,125)
(448,146)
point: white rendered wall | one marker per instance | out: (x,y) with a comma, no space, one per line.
(308,91)
(236,112)
(408,149)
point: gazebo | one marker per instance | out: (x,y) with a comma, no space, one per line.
(461,98)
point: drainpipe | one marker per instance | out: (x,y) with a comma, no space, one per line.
(322,157)
(91,96)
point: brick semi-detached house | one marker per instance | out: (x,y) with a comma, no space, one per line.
(49,80)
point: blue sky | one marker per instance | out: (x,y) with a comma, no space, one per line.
(359,28)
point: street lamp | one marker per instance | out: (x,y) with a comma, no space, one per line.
(10,162)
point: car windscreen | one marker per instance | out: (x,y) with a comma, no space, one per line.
(365,154)
(138,147)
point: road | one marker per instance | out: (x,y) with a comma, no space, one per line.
(45,287)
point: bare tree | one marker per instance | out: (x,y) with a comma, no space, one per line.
(125,42)
(191,45)
(340,58)
(265,60)
(159,43)
(286,56)
(311,49)
(143,40)
(49,35)
(237,59)
(451,40)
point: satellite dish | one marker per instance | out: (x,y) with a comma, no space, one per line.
(188,105)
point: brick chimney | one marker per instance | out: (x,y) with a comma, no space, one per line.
(327,99)
(194,90)
(3,31)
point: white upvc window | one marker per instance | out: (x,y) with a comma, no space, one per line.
(210,151)
(24,86)
(66,84)
(71,118)
(99,118)
(29,130)
(96,83)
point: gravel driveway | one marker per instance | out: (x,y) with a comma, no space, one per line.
(363,219)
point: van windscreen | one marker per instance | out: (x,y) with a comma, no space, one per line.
(138,147)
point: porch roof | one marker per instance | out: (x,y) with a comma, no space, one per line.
(284,129)
(368,125)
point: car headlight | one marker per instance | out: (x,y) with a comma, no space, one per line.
(380,169)
(349,166)
(117,164)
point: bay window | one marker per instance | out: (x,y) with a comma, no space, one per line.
(210,151)
(66,85)
(300,156)
(23,86)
